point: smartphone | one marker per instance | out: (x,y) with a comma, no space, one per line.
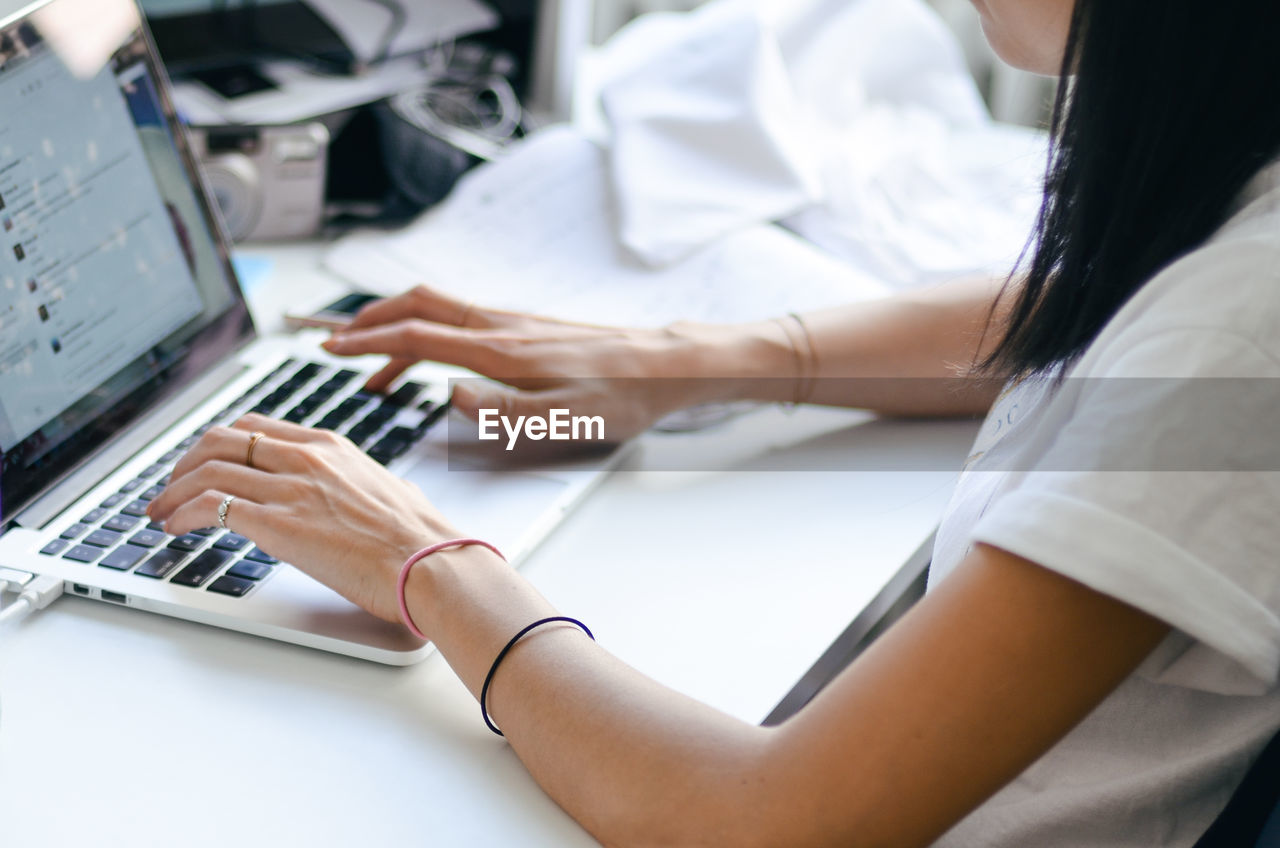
(334,315)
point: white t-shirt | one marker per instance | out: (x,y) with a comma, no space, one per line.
(1151,473)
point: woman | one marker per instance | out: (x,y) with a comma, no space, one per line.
(1096,661)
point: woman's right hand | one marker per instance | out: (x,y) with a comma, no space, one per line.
(629,377)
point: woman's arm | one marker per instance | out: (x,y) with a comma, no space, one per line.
(977,682)
(903,355)
(974,684)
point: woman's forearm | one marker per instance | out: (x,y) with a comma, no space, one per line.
(973,685)
(903,355)
(631,760)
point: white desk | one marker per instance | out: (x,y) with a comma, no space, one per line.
(121,728)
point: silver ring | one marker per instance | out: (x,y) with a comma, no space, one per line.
(222,510)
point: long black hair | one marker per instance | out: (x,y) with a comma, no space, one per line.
(1164,112)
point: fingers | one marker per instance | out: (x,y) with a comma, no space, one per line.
(415,339)
(279,431)
(217,475)
(471,397)
(382,381)
(229,444)
(244,516)
(423,303)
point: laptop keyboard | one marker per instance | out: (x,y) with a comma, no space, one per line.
(117,535)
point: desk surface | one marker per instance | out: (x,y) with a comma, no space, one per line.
(122,728)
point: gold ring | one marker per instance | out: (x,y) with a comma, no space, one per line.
(254,437)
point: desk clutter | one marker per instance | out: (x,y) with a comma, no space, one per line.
(727,177)
(323,113)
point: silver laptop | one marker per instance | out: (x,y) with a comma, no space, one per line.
(124,335)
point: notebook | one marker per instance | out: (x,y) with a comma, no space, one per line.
(124,335)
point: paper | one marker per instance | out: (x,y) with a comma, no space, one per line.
(535,232)
(299,95)
(365,24)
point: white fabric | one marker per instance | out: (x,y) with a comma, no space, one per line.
(1151,474)
(855,120)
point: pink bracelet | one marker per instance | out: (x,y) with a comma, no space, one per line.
(413,560)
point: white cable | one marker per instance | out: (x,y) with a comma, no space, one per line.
(36,595)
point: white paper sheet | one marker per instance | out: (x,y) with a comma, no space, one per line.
(300,94)
(535,231)
(363,24)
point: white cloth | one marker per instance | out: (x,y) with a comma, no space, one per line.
(1151,474)
(855,120)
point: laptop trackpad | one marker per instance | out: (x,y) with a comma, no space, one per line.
(498,506)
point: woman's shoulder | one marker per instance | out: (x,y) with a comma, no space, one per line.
(1217,302)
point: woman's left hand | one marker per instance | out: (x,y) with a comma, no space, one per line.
(312,498)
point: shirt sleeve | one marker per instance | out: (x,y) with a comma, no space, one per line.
(1164,492)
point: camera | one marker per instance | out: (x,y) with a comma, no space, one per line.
(268,181)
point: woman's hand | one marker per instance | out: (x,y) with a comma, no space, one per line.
(312,499)
(629,377)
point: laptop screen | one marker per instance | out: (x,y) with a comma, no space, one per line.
(114,288)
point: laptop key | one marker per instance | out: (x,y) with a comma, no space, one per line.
(93,516)
(329,422)
(102,538)
(151,470)
(161,563)
(249,570)
(384,413)
(112,501)
(136,508)
(406,394)
(188,543)
(75,531)
(83,553)
(306,372)
(201,568)
(151,494)
(205,531)
(297,414)
(133,485)
(231,542)
(148,538)
(171,456)
(55,547)
(259,555)
(433,416)
(121,523)
(123,558)
(233,586)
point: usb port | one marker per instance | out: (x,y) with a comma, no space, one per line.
(79,590)
(114,596)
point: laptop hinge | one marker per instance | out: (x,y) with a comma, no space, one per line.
(119,449)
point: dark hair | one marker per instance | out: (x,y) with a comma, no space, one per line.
(1174,106)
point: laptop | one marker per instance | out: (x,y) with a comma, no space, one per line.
(124,335)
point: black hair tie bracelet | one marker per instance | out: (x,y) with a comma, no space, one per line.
(484,690)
